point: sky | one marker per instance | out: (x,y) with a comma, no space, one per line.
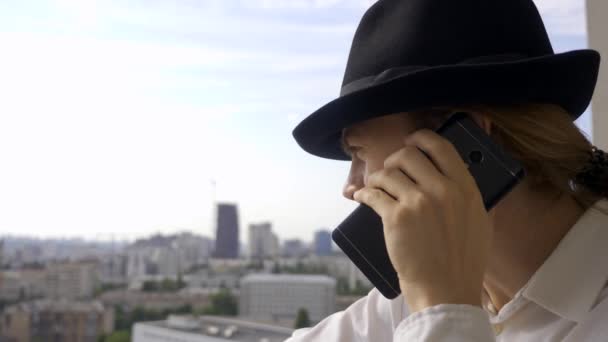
(117,117)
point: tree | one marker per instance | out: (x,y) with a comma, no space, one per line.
(360,289)
(300,268)
(167,285)
(302,320)
(223,303)
(121,319)
(184,309)
(119,336)
(276,269)
(342,287)
(180,282)
(149,286)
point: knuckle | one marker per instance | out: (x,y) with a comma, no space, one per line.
(437,145)
(392,172)
(416,133)
(408,150)
(387,171)
(444,189)
(397,157)
(391,160)
(449,147)
(441,191)
(418,200)
(400,157)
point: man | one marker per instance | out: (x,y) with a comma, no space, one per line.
(536,262)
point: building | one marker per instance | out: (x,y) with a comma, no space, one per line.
(322,243)
(33,282)
(197,298)
(113,269)
(340,266)
(153,256)
(1,254)
(294,248)
(597,28)
(72,280)
(213,280)
(1,265)
(167,262)
(227,234)
(207,329)
(166,256)
(192,249)
(278,297)
(139,263)
(55,321)
(152,261)
(28,254)
(21,285)
(263,242)
(10,286)
(337,266)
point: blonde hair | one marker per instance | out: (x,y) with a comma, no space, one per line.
(543,138)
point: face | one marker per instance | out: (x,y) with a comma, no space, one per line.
(370,143)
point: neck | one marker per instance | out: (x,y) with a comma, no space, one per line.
(528,227)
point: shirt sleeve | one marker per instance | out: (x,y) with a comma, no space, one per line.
(593,327)
(446,322)
(371,318)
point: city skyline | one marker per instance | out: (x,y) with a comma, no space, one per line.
(16,241)
(117,116)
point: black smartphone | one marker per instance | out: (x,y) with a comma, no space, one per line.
(361,235)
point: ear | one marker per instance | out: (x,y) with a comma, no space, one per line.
(482,121)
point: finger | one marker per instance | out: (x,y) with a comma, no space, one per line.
(376,199)
(392,181)
(442,153)
(415,165)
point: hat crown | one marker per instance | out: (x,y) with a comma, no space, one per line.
(401,33)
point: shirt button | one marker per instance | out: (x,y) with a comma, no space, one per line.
(491,308)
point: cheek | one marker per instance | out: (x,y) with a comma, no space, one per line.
(374,158)
(372,165)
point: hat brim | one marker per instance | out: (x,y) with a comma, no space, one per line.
(567,79)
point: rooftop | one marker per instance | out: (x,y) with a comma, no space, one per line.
(61,305)
(223,328)
(288,278)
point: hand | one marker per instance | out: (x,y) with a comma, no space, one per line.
(437,230)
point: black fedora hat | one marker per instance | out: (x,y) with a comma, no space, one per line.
(409,55)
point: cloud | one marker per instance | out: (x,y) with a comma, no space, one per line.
(307,4)
(563,17)
(294,118)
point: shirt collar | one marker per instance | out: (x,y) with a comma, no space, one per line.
(571,279)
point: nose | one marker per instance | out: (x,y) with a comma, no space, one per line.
(354,181)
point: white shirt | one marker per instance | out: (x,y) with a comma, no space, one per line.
(565,300)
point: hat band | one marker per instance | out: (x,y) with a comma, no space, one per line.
(394,73)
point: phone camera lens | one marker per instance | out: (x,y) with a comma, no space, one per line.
(476,157)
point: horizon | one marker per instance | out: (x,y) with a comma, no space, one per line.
(111,239)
